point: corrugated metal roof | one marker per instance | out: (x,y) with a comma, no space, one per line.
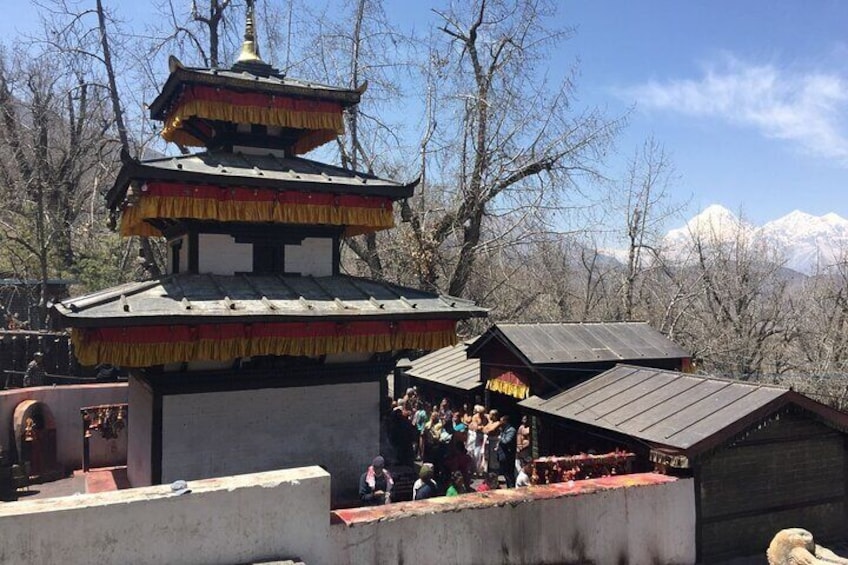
(663,408)
(543,344)
(253,79)
(261,171)
(251,166)
(222,298)
(449,366)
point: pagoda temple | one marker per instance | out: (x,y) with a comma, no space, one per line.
(253,352)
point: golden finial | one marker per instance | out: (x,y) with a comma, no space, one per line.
(249,49)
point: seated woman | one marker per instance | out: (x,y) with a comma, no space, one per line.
(457,485)
(491,483)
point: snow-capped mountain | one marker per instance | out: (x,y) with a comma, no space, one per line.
(715,224)
(806,242)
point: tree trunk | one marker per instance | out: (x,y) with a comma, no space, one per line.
(146,248)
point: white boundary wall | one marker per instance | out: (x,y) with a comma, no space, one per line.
(241,519)
(645,524)
(634,519)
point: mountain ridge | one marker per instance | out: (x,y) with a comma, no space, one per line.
(808,242)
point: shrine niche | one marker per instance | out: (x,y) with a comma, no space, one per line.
(35,440)
(103,425)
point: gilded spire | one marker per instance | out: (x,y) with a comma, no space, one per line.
(250,49)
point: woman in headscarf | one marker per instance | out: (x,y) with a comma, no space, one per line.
(457,485)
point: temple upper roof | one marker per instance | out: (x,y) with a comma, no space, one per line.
(271,171)
(252,103)
(274,84)
(232,187)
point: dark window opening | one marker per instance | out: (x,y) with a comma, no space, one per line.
(175,256)
(268,259)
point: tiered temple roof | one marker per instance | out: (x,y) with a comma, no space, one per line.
(251,188)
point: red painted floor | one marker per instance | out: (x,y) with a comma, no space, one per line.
(105,479)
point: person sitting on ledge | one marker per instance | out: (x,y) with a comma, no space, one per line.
(375,484)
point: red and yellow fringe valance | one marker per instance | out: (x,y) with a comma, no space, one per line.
(145,346)
(322,119)
(361,214)
(510,384)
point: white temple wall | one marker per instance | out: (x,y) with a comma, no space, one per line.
(139,429)
(219,254)
(314,257)
(224,433)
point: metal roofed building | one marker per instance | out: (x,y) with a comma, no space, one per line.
(521,360)
(447,371)
(763,456)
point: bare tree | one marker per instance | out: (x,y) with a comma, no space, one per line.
(194,31)
(52,145)
(646,208)
(820,308)
(512,144)
(741,316)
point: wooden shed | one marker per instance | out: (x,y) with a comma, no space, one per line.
(763,457)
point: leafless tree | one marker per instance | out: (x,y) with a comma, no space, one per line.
(509,143)
(197,31)
(741,316)
(52,147)
(646,208)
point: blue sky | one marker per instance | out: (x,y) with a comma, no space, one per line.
(749,97)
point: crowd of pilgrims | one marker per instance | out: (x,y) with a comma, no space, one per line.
(456,446)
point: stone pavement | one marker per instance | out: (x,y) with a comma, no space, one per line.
(63,487)
(96,480)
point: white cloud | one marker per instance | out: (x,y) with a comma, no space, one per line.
(806,109)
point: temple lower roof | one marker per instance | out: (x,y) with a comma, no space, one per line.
(184,318)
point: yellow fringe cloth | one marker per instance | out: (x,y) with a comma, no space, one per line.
(322,126)
(357,220)
(511,389)
(90,352)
